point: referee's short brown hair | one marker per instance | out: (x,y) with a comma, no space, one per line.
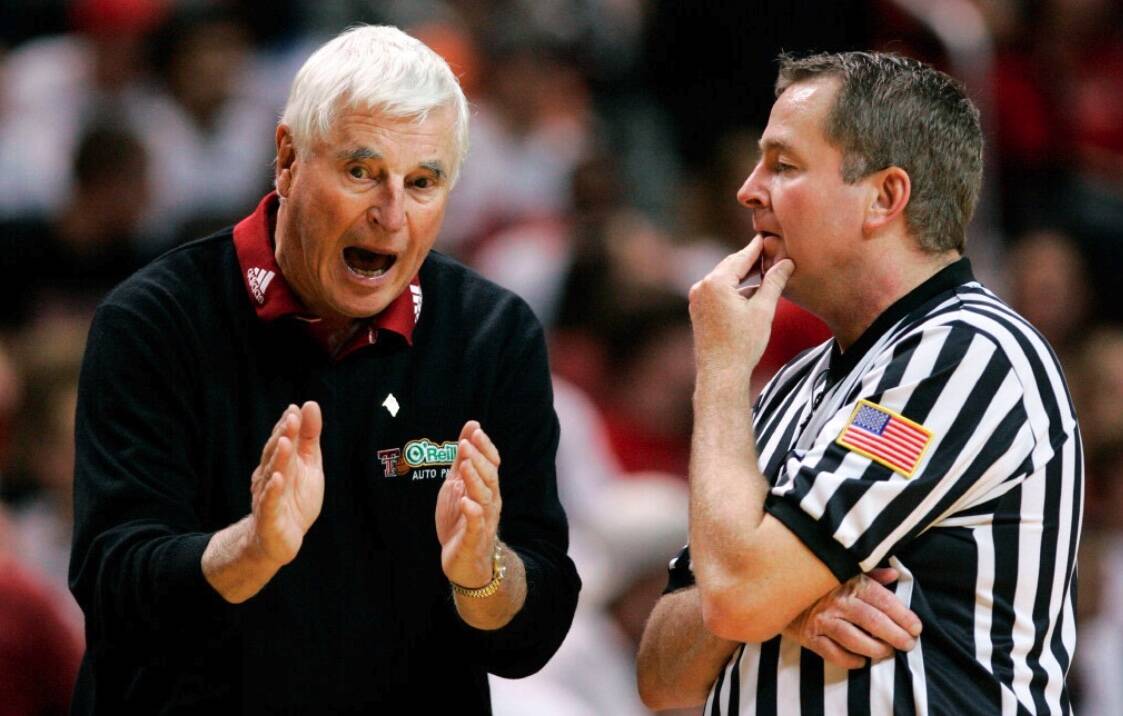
(896,111)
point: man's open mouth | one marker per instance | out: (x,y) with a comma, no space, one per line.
(365,263)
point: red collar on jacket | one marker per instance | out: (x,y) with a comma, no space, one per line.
(272,297)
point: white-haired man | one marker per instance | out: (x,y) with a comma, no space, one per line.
(230,561)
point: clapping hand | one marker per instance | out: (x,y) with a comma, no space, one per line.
(288,484)
(468,508)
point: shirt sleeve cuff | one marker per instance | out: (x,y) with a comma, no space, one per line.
(679,573)
(811,533)
(526,643)
(187,590)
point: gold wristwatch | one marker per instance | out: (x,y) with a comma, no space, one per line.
(498,571)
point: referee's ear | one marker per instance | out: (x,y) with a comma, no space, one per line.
(889,195)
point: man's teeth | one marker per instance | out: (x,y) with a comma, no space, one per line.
(364,273)
(366,264)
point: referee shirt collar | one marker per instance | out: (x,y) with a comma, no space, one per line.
(946,279)
(272,298)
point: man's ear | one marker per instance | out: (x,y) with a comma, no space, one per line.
(891,191)
(286,160)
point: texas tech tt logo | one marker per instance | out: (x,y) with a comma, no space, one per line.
(389,459)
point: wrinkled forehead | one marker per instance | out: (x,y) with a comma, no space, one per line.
(365,134)
(435,127)
(438,121)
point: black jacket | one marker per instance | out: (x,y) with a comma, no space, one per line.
(180,388)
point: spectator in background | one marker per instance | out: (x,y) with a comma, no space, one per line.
(531,128)
(649,382)
(11,396)
(620,548)
(586,464)
(1047,279)
(620,330)
(55,87)
(535,256)
(203,125)
(67,260)
(616,262)
(708,215)
(1059,91)
(1098,688)
(1098,390)
(39,653)
(39,650)
(49,355)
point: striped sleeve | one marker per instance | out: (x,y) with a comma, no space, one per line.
(963,437)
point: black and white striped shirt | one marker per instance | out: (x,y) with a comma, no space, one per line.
(983,526)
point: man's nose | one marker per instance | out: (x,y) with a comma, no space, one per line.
(388,210)
(752,193)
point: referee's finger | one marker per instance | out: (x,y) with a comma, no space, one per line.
(883,575)
(857,641)
(877,624)
(831,652)
(886,602)
(774,281)
(734,267)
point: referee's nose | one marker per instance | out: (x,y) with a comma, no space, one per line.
(753,193)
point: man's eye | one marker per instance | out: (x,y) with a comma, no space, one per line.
(782,167)
(423,182)
(358,173)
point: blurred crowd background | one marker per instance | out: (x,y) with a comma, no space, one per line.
(608,140)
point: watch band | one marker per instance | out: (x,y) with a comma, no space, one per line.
(498,571)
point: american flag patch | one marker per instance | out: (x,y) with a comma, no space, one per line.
(885,437)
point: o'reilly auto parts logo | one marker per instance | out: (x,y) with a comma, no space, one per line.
(423,459)
(425,452)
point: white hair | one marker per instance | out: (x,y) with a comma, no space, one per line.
(377,67)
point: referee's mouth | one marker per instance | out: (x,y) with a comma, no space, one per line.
(366,263)
(772,250)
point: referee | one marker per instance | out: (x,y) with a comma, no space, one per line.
(934,435)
